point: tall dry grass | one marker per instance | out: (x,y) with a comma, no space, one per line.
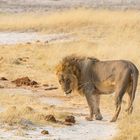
(71,20)
(129,128)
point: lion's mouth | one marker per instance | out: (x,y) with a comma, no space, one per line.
(68,91)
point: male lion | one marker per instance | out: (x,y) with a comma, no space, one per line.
(93,77)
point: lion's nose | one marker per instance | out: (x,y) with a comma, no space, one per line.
(68,91)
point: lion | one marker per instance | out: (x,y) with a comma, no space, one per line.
(92,78)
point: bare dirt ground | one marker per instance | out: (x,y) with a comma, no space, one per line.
(82,129)
(53,5)
(30,37)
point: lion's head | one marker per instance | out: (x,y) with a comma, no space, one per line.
(69,71)
(67,82)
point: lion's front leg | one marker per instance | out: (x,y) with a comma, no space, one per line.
(98,115)
(93,101)
(91,109)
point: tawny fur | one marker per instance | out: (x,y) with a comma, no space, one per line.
(92,77)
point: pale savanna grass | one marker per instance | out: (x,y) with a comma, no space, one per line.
(23,109)
(73,20)
(18,107)
(44,57)
(129,127)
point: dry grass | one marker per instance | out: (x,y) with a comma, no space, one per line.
(21,108)
(103,34)
(42,61)
(129,127)
(71,20)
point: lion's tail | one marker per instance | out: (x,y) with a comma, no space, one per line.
(135,74)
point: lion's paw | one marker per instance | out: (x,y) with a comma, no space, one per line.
(99,117)
(89,118)
(113,120)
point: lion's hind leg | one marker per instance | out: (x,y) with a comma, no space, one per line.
(129,92)
(119,93)
(118,101)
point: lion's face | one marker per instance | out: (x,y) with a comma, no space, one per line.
(67,82)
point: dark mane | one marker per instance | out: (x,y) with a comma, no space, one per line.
(71,64)
(72,59)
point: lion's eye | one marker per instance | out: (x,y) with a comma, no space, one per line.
(68,80)
(60,81)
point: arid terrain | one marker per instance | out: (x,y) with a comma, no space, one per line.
(18,6)
(34,37)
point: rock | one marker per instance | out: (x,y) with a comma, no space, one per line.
(34,83)
(51,88)
(50,118)
(24,81)
(70,119)
(45,85)
(3,78)
(44,132)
